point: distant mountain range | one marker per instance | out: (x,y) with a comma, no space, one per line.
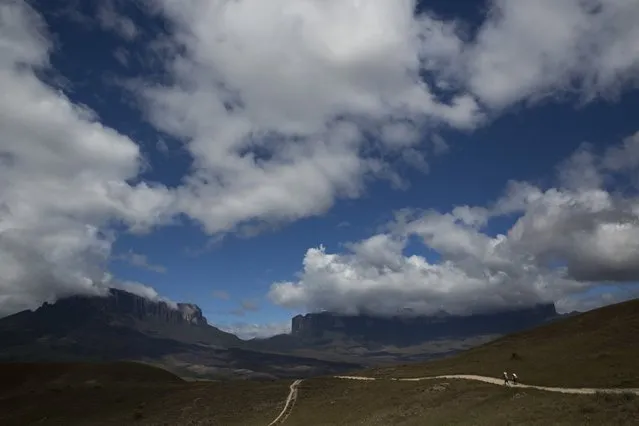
(412,330)
(124,326)
(374,339)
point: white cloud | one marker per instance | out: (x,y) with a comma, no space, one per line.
(63,178)
(527,50)
(566,240)
(272,98)
(277,101)
(141,290)
(591,229)
(248,331)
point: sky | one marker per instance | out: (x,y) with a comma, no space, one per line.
(267,158)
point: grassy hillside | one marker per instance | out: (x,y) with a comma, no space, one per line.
(599,348)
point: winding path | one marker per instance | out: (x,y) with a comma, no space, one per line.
(288,406)
(500,382)
(292,396)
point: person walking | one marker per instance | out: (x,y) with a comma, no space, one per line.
(515,378)
(505,378)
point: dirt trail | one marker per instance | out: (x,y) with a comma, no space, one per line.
(500,382)
(288,406)
(292,396)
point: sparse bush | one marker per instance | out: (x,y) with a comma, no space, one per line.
(55,387)
(620,398)
(94,384)
(515,356)
(139,411)
(437,388)
(138,414)
(605,396)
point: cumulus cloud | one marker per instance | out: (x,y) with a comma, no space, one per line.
(288,105)
(566,239)
(532,50)
(275,101)
(64,178)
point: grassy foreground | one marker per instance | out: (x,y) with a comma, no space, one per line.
(321,402)
(128,393)
(333,402)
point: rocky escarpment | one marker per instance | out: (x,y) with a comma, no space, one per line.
(409,330)
(123,326)
(182,322)
(119,302)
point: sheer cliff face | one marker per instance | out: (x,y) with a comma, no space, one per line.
(120,302)
(119,313)
(416,329)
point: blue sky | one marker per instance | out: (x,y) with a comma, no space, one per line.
(263,159)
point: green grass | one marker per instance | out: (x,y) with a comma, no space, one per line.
(599,348)
(235,403)
(324,402)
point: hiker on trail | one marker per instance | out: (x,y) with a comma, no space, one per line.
(515,378)
(505,378)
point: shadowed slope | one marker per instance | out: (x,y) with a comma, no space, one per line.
(25,375)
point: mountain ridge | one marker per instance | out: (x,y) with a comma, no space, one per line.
(123,326)
(411,329)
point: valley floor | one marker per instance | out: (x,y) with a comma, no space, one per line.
(312,402)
